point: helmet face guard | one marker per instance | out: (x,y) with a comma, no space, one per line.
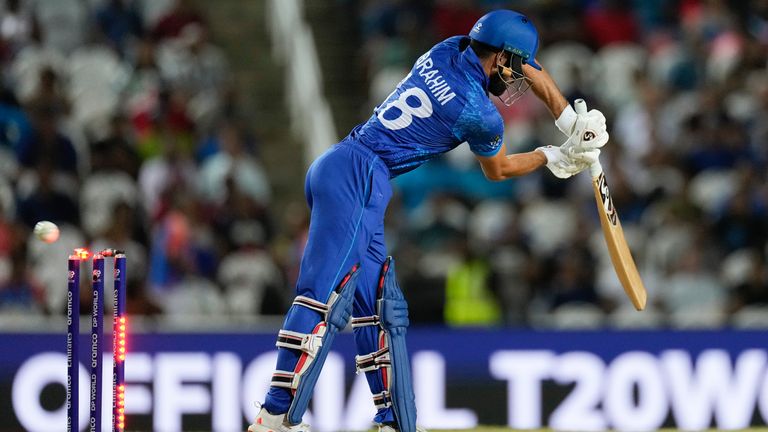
(514,79)
(514,34)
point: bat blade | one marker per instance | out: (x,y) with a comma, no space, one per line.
(621,257)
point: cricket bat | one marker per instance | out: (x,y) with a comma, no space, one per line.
(621,257)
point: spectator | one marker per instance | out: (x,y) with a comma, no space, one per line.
(121,234)
(192,63)
(251,280)
(180,15)
(15,132)
(572,277)
(238,207)
(49,146)
(49,96)
(754,290)
(15,27)
(454,17)
(610,21)
(233,160)
(117,150)
(120,22)
(47,202)
(161,175)
(138,301)
(144,88)
(63,23)
(692,288)
(161,120)
(468,297)
(20,293)
(742,222)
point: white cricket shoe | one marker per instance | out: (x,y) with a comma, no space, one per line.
(390,428)
(266,422)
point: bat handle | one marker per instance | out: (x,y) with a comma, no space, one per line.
(580,106)
(595,169)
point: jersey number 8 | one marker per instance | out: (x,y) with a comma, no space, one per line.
(407,112)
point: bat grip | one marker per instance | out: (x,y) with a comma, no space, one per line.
(580,106)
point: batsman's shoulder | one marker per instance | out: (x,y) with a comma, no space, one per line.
(452,43)
(482,127)
(449,49)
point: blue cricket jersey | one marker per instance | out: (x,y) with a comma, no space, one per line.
(440,104)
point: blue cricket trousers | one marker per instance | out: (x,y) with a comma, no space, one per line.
(347,189)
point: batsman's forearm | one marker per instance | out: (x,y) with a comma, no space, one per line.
(516,165)
(545,88)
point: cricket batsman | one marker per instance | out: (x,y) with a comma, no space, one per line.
(346,274)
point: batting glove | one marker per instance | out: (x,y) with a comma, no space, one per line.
(589,133)
(563,165)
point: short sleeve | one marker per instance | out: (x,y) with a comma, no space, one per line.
(481,126)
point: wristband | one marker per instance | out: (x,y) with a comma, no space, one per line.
(567,120)
(549,153)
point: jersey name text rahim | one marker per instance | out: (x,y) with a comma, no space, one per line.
(433,80)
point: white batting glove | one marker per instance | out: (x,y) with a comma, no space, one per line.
(564,166)
(589,130)
(566,123)
(584,160)
(567,120)
(557,162)
(560,164)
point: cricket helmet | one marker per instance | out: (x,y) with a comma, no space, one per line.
(509,31)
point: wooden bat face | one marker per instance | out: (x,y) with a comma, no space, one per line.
(621,257)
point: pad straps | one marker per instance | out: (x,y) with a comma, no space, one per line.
(308,343)
(283,379)
(373,361)
(382,400)
(372,320)
(312,304)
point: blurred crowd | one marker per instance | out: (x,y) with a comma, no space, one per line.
(119,122)
(684,86)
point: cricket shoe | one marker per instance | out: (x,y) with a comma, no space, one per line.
(266,422)
(392,427)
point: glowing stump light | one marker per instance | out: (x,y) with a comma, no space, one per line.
(119,345)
